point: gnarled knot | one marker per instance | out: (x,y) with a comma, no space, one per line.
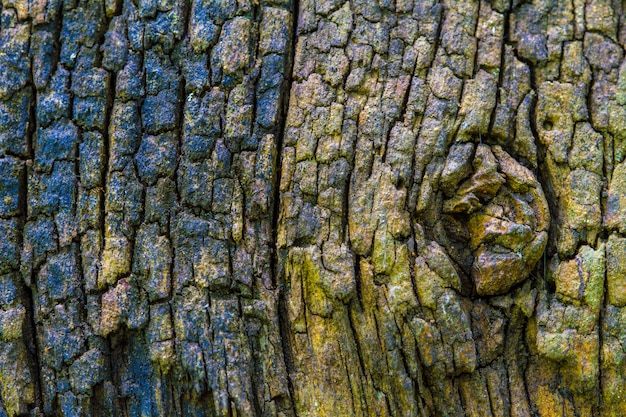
(506,211)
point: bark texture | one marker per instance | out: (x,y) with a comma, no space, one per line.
(313,208)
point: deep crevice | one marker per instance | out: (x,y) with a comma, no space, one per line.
(601,319)
(106,152)
(114,357)
(32,344)
(58,28)
(277,258)
(505,39)
(30,331)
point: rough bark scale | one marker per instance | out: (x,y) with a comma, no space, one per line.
(319,208)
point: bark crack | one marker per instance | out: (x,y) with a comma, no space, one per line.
(277,258)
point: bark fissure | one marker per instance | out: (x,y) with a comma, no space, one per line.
(30,325)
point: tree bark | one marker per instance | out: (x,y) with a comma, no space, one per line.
(313,208)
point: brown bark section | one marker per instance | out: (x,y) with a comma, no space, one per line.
(319,208)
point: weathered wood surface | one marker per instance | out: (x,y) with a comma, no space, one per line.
(314,208)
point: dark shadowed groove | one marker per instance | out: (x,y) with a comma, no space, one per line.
(506,31)
(600,324)
(114,359)
(186,14)
(33,345)
(104,168)
(345,207)
(30,329)
(277,271)
(357,344)
(255,44)
(475,66)
(58,27)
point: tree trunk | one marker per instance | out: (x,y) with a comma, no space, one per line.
(314,208)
